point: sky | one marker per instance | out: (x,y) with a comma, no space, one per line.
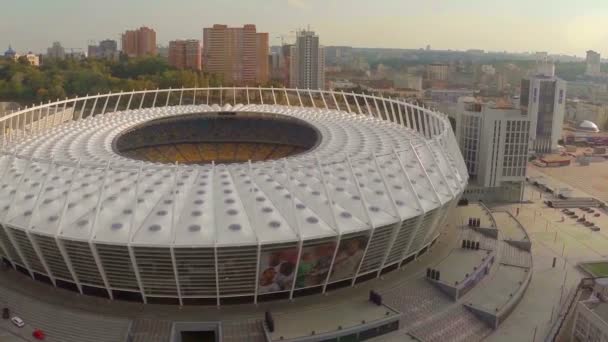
(558,26)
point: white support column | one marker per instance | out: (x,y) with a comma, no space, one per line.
(33,242)
(168,97)
(286,96)
(181,96)
(68,262)
(418,203)
(176,275)
(274,96)
(390,101)
(208,90)
(7,230)
(105,105)
(333,95)
(386,113)
(92,112)
(117,102)
(102,272)
(233,96)
(155,98)
(369,110)
(217,275)
(356,98)
(346,101)
(143,97)
(247,93)
(299,97)
(400,113)
(367,215)
(82,109)
(407,109)
(257,273)
(314,105)
(136,271)
(323,97)
(130,99)
(379,113)
(261,95)
(334,219)
(194,96)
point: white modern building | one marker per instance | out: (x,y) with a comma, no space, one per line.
(307,64)
(591,317)
(543,100)
(593,64)
(494,140)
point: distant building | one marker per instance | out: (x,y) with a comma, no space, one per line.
(139,42)
(238,54)
(10,53)
(407,81)
(307,64)
(543,100)
(580,110)
(107,49)
(32,58)
(591,315)
(185,54)
(437,72)
(494,140)
(593,64)
(338,55)
(56,51)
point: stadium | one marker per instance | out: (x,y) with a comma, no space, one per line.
(223,195)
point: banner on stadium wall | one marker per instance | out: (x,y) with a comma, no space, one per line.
(349,257)
(277,270)
(314,264)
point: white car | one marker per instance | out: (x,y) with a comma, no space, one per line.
(18,321)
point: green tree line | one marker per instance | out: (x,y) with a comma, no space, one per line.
(57,79)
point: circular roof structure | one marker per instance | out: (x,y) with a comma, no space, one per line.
(364,171)
(587,125)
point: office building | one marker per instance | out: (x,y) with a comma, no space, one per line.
(307,62)
(56,51)
(139,42)
(106,49)
(185,54)
(494,140)
(437,72)
(591,315)
(543,100)
(237,54)
(593,64)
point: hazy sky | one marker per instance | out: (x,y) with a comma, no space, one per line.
(557,26)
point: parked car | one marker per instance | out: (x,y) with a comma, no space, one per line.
(18,321)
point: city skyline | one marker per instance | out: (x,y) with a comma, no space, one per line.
(562,28)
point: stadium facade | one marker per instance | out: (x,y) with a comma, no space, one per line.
(222,195)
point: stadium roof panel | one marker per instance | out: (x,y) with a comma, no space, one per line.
(364,173)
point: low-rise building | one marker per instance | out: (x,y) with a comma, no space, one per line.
(591,316)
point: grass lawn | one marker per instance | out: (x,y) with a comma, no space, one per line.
(596,269)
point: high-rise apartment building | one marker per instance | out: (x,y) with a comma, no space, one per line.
(494,139)
(593,64)
(307,62)
(185,54)
(140,42)
(238,54)
(543,100)
(56,51)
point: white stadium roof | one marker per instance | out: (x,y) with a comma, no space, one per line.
(364,173)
